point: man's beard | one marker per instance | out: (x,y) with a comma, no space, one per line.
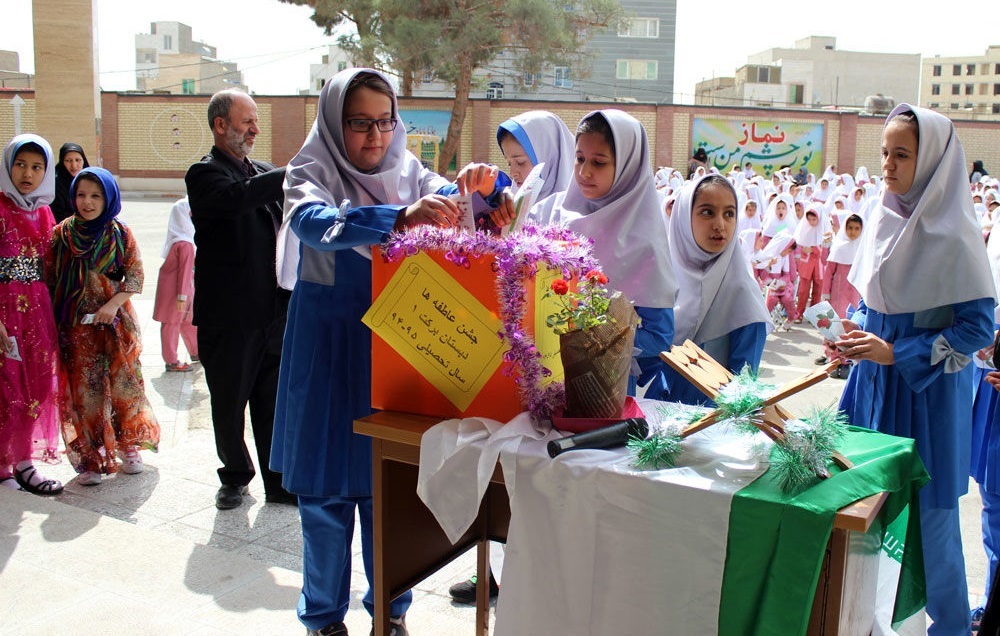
(237,143)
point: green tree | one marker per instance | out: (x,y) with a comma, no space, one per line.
(362,44)
(451,39)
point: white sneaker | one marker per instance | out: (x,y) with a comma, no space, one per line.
(132,462)
(88,478)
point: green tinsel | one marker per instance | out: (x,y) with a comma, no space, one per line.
(657,451)
(739,401)
(661,448)
(809,445)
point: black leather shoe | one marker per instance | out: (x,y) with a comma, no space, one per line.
(333,629)
(281,497)
(230,496)
(464,593)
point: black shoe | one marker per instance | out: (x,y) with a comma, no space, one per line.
(230,496)
(464,593)
(820,360)
(281,497)
(397,626)
(333,629)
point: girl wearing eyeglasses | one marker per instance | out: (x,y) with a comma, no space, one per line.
(356,151)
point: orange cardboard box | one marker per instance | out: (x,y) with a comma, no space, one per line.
(424,358)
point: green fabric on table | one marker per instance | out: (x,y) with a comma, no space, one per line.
(777,541)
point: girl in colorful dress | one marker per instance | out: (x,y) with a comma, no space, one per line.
(927,306)
(719,305)
(356,151)
(175,289)
(28,346)
(95,269)
(613,200)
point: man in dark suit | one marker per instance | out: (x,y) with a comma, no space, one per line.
(239,308)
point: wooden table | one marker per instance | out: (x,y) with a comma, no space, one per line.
(410,544)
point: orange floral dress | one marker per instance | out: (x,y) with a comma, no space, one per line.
(102,395)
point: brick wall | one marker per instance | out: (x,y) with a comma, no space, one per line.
(159,136)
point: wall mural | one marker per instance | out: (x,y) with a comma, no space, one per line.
(767,145)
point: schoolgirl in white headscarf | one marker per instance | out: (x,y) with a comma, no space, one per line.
(355,152)
(625,223)
(719,304)
(927,305)
(778,218)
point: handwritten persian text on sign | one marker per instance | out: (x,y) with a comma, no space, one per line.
(430,320)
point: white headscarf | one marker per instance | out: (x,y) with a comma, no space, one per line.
(843,250)
(46,190)
(179,226)
(744,222)
(716,293)
(924,249)
(322,172)
(808,235)
(627,224)
(546,139)
(772,224)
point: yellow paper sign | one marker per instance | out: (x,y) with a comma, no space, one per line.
(430,320)
(546,340)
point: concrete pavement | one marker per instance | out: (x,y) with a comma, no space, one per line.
(150,553)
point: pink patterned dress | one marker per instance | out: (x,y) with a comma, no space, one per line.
(28,410)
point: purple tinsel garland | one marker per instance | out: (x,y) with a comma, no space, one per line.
(517,257)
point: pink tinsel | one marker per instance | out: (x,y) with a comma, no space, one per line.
(517,257)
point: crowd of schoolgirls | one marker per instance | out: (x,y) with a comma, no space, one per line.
(720,258)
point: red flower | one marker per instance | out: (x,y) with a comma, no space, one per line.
(596,277)
(823,323)
(560,287)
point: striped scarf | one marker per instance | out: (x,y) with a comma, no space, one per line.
(81,247)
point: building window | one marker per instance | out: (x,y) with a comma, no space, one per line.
(187,86)
(956,69)
(970,89)
(796,93)
(168,42)
(968,106)
(956,89)
(529,79)
(640,28)
(495,90)
(636,69)
(934,105)
(996,109)
(970,69)
(935,89)
(936,70)
(996,89)
(427,78)
(996,69)
(341,66)
(561,77)
(953,106)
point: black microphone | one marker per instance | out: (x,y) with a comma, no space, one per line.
(611,436)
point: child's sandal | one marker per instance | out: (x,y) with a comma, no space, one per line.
(46,487)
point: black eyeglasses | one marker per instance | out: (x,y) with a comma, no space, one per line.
(365,125)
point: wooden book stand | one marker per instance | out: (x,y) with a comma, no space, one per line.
(701,370)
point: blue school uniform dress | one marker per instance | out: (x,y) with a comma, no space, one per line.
(985,466)
(932,404)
